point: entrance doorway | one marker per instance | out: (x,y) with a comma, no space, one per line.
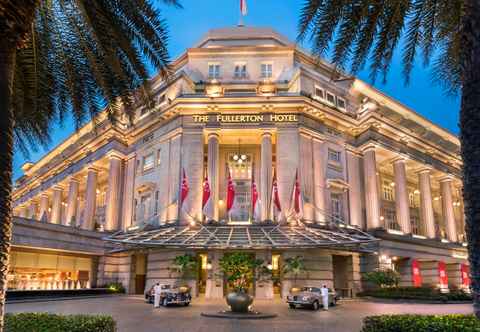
(202,276)
(340,275)
(240,166)
(140,272)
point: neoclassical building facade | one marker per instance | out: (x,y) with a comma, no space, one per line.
(379,185)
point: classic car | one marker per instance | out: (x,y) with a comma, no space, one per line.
(170,295)
(310,297)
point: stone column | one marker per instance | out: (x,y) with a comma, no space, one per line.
(90,199)
(402,205)
(372,199)
(128,191)
(72,202)
(266,175)
(43,212)
(319,170)
(57,205)
(354,191)
(112,215)
(213,171)
(32,210)
(447,208)
(426,204)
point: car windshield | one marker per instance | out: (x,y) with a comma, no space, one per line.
(310,289)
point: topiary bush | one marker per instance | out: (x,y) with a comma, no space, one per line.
(45,322)
(383,277)
(418,293)
(421,323)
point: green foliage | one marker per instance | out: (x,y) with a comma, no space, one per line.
(355,32)
(115,287)
(418,293)
(45,322)
(421,323)
(82,57)
(383,278)
(295,266)
(240,269)
(185,265)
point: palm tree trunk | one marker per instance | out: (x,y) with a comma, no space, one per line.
(470,138)
(7,64)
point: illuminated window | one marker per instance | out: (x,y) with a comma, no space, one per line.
(159,156)
(214,70)
(157,196)
(148,162)
(391,220)
(415,222)
(334,155)
(266,70)
(387,191)
(337,211)
(240,71)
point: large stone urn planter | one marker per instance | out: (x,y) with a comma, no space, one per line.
(239,301)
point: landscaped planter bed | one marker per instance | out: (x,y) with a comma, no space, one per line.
(44,322)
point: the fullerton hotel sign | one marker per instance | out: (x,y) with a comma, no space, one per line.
(245,118)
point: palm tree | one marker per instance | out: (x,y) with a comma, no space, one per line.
(446,33)
(69,56)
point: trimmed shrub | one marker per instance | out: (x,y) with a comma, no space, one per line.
(115,287)
(421,323)
(45,322)
(418,293)
(383,278)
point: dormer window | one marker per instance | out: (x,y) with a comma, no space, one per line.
(240,70)
(330,98)
(213,70)
(341,105)
(319,93)
(266,70)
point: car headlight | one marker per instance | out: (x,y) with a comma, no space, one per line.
(306,298)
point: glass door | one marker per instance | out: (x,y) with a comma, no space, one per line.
(240,166)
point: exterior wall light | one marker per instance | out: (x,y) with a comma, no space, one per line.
(214,89)
(266,89)
(209,266)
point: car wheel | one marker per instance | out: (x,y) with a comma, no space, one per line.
(315,305)
(292,306)
(165,302)
(186,304)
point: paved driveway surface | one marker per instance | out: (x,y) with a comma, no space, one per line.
(133,314)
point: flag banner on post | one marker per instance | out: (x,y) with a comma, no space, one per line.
(207,206)
(442,275)
(465,271)
(184,189)
(255,200)
(243,7)
(416,276)
(230,192)
(275,199)
(297,198)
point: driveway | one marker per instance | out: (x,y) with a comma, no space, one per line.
(133,314)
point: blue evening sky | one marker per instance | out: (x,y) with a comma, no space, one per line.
(189,24)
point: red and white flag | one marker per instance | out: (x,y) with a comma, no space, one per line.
(243,7)
(297,198)
(207,204)
(184,189)
(230,193)
(275,199)
(255,200)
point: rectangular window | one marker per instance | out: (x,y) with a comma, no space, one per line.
(337,211)
(240,71)
(334,155)
(214,70)
(148,162)
(415,222)
(387,191)
(159,156)
(341,105)
(319,93)
(266,70)
(156,203)
(391,220)
(330,98)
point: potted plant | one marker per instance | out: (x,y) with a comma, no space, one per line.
(294,266)
(185,266)
(240,270)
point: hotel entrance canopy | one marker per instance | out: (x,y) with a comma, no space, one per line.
(254,236)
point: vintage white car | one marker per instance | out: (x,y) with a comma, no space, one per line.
(310,297)
(170,295)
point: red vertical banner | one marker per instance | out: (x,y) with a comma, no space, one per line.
(416,276)
(442,274)
(465,271)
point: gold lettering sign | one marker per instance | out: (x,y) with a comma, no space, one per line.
(246,118)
